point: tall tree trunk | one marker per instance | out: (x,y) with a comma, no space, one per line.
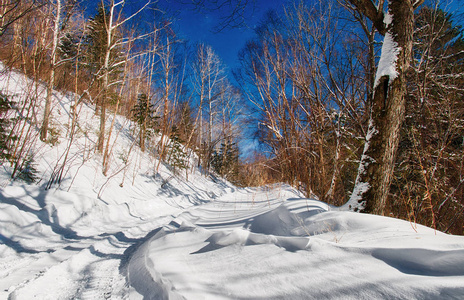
(51,81)
(388,104)
(106,70)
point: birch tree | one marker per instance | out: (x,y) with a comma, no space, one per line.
(13,10)
(112,21)
(208,73)
(56,11)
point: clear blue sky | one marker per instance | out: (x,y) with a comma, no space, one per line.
(198,26)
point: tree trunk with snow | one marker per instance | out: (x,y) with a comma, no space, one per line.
(388,104)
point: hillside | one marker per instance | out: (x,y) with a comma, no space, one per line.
(141,234)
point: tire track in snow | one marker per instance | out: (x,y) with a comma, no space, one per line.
(89,268)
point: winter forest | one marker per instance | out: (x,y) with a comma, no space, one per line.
(357,105)
(305,84)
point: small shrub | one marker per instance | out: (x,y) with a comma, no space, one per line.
(28,171)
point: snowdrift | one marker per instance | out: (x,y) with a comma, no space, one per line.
(272,248)
(138,234)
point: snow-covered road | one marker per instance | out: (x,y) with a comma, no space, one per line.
(265,243)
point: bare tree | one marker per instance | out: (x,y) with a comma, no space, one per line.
(56,10)
(13,10)
(208,73)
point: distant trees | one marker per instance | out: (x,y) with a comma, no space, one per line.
(302,73)
(225,161)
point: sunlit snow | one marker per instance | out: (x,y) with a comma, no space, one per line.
(140,235)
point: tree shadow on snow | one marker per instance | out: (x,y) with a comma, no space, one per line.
(42,214)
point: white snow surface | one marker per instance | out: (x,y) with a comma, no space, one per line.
(161,236)
(388,57)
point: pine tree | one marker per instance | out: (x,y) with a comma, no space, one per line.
(177,156)
(143,114)
(69,49)
(5,135)
(104,60)
(28,171)
(225,162)
(97,40)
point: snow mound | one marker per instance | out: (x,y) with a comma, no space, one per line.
(272,245)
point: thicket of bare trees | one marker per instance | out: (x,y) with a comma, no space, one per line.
(310,92)
(333,128)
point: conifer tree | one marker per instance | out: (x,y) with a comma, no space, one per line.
(143,115)
(104,59)
(28,171)
(5,135)
(225,161)
(177,156)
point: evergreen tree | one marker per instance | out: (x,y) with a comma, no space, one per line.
(69,50)
(143,114)
(105,61)
(97,40)
(225,162)
(5,135)
(185,121)
(28,171)
(177,156)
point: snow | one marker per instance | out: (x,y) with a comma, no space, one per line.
(360,187)
(388,57)
(163,237)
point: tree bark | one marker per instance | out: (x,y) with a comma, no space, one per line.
(387,110)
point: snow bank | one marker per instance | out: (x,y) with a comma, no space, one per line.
(278,246)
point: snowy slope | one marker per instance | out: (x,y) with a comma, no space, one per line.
(139,235)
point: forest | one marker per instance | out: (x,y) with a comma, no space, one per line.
(313,89)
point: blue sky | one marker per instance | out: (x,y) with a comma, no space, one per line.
(198,26)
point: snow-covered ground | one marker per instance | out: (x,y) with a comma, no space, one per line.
(138,234)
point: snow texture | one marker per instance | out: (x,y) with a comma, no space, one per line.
(360,187)
(159,236)
(388,57)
